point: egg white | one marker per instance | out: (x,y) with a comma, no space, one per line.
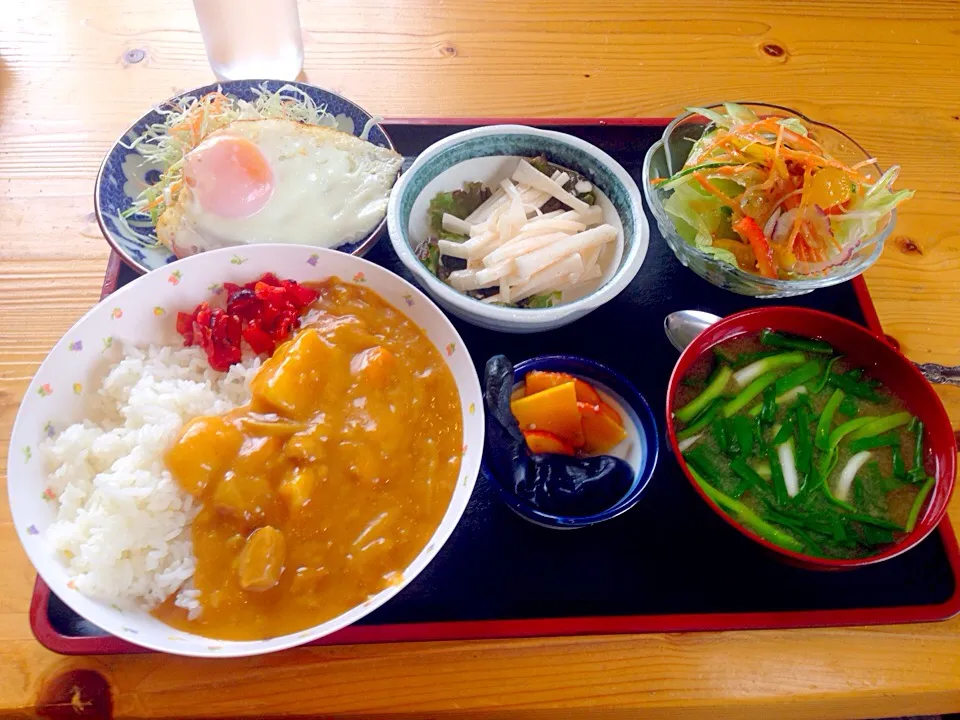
(329,188)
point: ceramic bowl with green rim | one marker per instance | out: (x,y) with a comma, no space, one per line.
(487,155)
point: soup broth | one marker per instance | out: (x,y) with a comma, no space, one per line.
(801,447)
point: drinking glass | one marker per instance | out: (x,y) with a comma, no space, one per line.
(248,39)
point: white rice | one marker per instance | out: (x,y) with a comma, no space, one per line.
(123,524)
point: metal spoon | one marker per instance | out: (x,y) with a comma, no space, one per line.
(683,326)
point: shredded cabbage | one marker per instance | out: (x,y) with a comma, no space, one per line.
(739,114)
(794,125)
(697,218)
(713,116)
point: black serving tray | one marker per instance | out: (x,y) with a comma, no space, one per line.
(668,564)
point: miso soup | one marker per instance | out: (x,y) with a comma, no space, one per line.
(801,447)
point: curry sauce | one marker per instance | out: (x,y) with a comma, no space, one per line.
(320,491)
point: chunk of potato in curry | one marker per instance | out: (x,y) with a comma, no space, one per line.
(328,484)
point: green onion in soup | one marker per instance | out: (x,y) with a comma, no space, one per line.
(801,447)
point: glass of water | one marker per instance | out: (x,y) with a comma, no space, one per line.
(251,38)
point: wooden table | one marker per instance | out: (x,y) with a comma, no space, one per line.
(885,71)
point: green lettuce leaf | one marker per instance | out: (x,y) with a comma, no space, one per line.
(720,254)
(459,203)
(698,218)
(429,254)
(718,119)
(742,115)
(542,164)
(793,124)
(864,216)
(543,300)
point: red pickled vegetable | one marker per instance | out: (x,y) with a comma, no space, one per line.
(263,313)
(185,326)
(243,303)
(258,340)
(300,294)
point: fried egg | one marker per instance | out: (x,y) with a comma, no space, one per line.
(261,181)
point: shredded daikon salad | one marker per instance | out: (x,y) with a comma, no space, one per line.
(188,120)
(533,242)
(762,194)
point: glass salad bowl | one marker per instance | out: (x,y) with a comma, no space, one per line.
(668,155)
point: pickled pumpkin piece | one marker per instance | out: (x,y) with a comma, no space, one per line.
(554,410)
(611,413)
(261,560)
(205,446)
(539,380)
(297,487)
(601,433)
(541,441)
(293,379)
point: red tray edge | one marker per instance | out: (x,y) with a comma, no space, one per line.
(47,636)
(628,121)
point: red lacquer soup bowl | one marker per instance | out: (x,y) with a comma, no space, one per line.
(880,360)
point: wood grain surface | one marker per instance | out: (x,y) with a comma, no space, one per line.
(884,71)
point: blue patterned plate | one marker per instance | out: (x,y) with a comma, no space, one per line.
(124,172)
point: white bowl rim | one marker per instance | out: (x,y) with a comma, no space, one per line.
(521,316)
(248,648)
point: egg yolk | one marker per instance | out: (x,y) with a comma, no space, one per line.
(229,176)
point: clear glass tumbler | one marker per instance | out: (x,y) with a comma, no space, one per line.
(251,38)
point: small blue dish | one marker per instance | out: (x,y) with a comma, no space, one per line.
(124,172)
(629,401)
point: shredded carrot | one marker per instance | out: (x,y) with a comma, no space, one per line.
(777,162)
(811,159)
(863,163)
(712,189)
(779,144)
(796,139)
(210,104)
(789,145)
(772,125)
(159,199)
(795,229)
(811,247)
(799,251)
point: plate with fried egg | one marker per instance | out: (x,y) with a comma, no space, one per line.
(244,163)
